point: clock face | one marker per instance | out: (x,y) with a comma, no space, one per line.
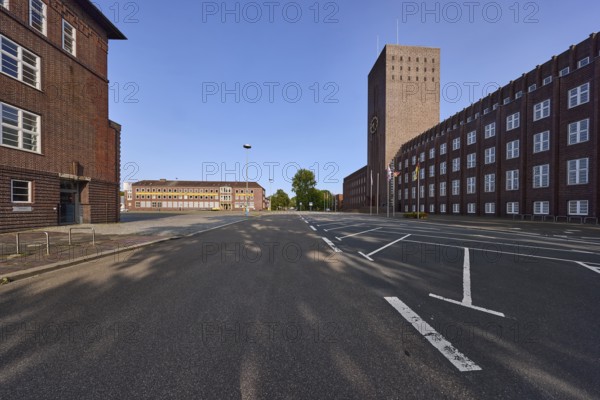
(373,125)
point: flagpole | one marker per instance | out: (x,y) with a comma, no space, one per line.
(377,205)
(388,194)
(371,196)
(418,191)
(394,195)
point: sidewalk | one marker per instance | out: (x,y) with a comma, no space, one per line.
(139,231)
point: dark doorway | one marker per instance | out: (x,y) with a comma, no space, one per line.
(69,202)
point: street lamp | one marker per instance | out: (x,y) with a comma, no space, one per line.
(247,147)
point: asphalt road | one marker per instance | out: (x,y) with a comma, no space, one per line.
(315,306)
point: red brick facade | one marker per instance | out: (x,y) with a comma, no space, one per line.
(79,148)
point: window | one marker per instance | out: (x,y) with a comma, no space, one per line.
(519,94)
(578,207)
(422,191)
(431,171)
(564,71)
(490,155)
(541,142)
(4,3)
(406,163)
(432,208)
(532,88)
(495,106)
(442,209)
(513,121)
(432,153)
(456,164)
(506,100)
(579,95)
(512,207)
(583,62)
(421,173)
(443,168)
(137,204)
(443,148)
(20,191)
(577,171)
(406,193)
(443,190)
(431,190)
(541,176)
(406,177)
(486,111)
(455,187)
(456,208)
(490,208)
(414,160)
(541,207)
(471,185)
(490,130)
(19,63)
(547,80)
(579,131)
(490,183)
(422,156)
(512,149)
(37,15)
(69,38)
(471,160)
(471,137)
(19,129)
(456,144)
(512,180)
(413,192)
(471,208)
(541,110)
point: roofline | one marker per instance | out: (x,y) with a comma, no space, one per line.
(112,31)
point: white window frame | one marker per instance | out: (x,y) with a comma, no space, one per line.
(471,160)
(579,131)
(519,94)
(442,208)
(422,191)
(471,185)
(456,208)
(512,149)
(431,208)
(456,187)
(20,129)
(489,183)
(513,121)
(490,208)
(541,142)
(443,189)
(72,37)
(471,208)
(490,155)
(443,149)
(43,15)
(422,157)
(563,72)
(583,62)
(578,171)
(432,171)
(579,95)
(541,207)
(23,61)
(443,168)
(512,180)
(432,190)
(541,110)
(455,143)
(547,80)
(471,137)
(576,207)
(512,207)
(456,164)
(541,176)
(12,192)
(432,153)
(490,130)
(532,88)
(506,101)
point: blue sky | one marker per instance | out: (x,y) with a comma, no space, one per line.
(196,80)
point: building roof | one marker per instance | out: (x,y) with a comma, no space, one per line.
(198,184)
(112,31)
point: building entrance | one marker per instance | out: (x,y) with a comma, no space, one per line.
(69,209)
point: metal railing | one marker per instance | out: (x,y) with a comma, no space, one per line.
(33,233)
(82,228)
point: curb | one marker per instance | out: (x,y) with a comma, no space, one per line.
(29,273)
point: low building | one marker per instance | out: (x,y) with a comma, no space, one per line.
(165,195)
(355,190)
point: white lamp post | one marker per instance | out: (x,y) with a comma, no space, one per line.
(247,147)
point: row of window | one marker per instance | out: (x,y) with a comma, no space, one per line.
(575,97)
(574,207)
(186,191)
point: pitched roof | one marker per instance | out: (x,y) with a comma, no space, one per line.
(112,31)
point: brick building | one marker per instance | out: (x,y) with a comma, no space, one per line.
(355,190)
(531,148)
(155,195)
(403,101)
(59,152)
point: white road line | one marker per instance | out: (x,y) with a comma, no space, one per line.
(467,305)
(561,236)
(313,228)
(341,227)
(356,234)
(332,245)
(467,279)
(213,228)
(368,256)
(458,359)
(590,267)
(332,223)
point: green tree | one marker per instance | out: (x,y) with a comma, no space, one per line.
(280,200)
(302,184)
